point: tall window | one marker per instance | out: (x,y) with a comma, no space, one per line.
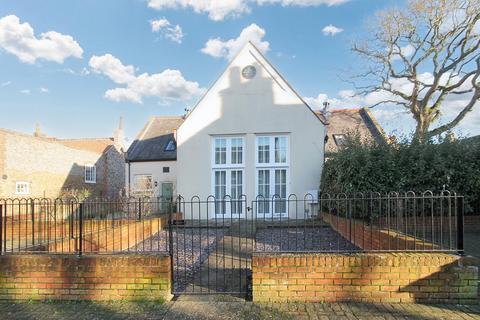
(227,174)
(272,174)
(22,187)
(90,174)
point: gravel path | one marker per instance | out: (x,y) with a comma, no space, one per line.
(191,247)
(321,238)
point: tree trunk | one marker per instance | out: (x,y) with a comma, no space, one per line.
(421,129)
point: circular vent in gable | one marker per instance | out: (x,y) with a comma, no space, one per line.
(249,72)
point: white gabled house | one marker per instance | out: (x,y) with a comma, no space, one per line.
(250,134)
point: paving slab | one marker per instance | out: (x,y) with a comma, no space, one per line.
(185,310)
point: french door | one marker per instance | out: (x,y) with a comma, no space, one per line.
(228,190)
(272,192)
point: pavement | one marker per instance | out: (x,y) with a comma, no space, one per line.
(180,310)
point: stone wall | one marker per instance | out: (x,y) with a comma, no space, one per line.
(366,277)
(92,277)
(51,167)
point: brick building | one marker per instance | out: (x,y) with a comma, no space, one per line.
(41,166)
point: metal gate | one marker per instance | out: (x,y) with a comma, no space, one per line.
(211,247)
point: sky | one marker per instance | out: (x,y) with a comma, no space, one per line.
(76,67)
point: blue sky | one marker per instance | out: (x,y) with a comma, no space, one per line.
(68,91)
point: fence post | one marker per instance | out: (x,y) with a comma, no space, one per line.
(170,244)
(71,219)
(461,208)
(80,236)
(32,208)
(139,209)
(1,229)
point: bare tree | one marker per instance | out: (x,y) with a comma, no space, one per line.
(421,55)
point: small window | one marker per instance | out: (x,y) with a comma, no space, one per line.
(340,139)
(166,169)
(90,174)
(143,182)
(22,187)
(170,146)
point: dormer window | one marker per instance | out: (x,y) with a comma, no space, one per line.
(340,139)
(170,146)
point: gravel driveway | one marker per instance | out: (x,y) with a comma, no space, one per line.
(320,238)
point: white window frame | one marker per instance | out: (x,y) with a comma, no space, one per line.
(90,166)
(135,182)
(26,185)
(228,167)
(228,163)
(272,162)
(272,183)
(272,166)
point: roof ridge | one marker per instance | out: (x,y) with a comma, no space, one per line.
(347,110)
(82,139)
(169,117)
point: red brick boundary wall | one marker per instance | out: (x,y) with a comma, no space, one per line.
(373,238)
(367,277)
(472,223)
(89,277)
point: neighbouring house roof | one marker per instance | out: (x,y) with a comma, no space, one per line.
(151,143)
(344,121)
(96,145)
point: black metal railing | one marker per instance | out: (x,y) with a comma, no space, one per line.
(330,223)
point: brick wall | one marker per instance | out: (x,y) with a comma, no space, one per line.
(370,237)
(95,277)
(367,277)
(472,223)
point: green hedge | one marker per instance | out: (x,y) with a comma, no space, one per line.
(361,166)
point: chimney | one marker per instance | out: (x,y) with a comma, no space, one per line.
(119,135)
(38,132)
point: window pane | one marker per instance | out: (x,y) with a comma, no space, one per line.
(263,191)
(143,182)
(280,149)
(236,191)
(281,190)
(90,174)
(263,149)
(237,150)
(220,191)
(220,151)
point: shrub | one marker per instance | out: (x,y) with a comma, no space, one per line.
(363,166)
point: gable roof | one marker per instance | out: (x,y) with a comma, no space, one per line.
(96,145)
(151,142)
(253,50)
(361,121)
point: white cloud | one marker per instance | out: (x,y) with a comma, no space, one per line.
(83,72)
(6,83)
(219,9)
(227,49)
(44,90)
(331,30)
(167,85)
(25,91)
(169,31)
(19,39)
(112,68)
